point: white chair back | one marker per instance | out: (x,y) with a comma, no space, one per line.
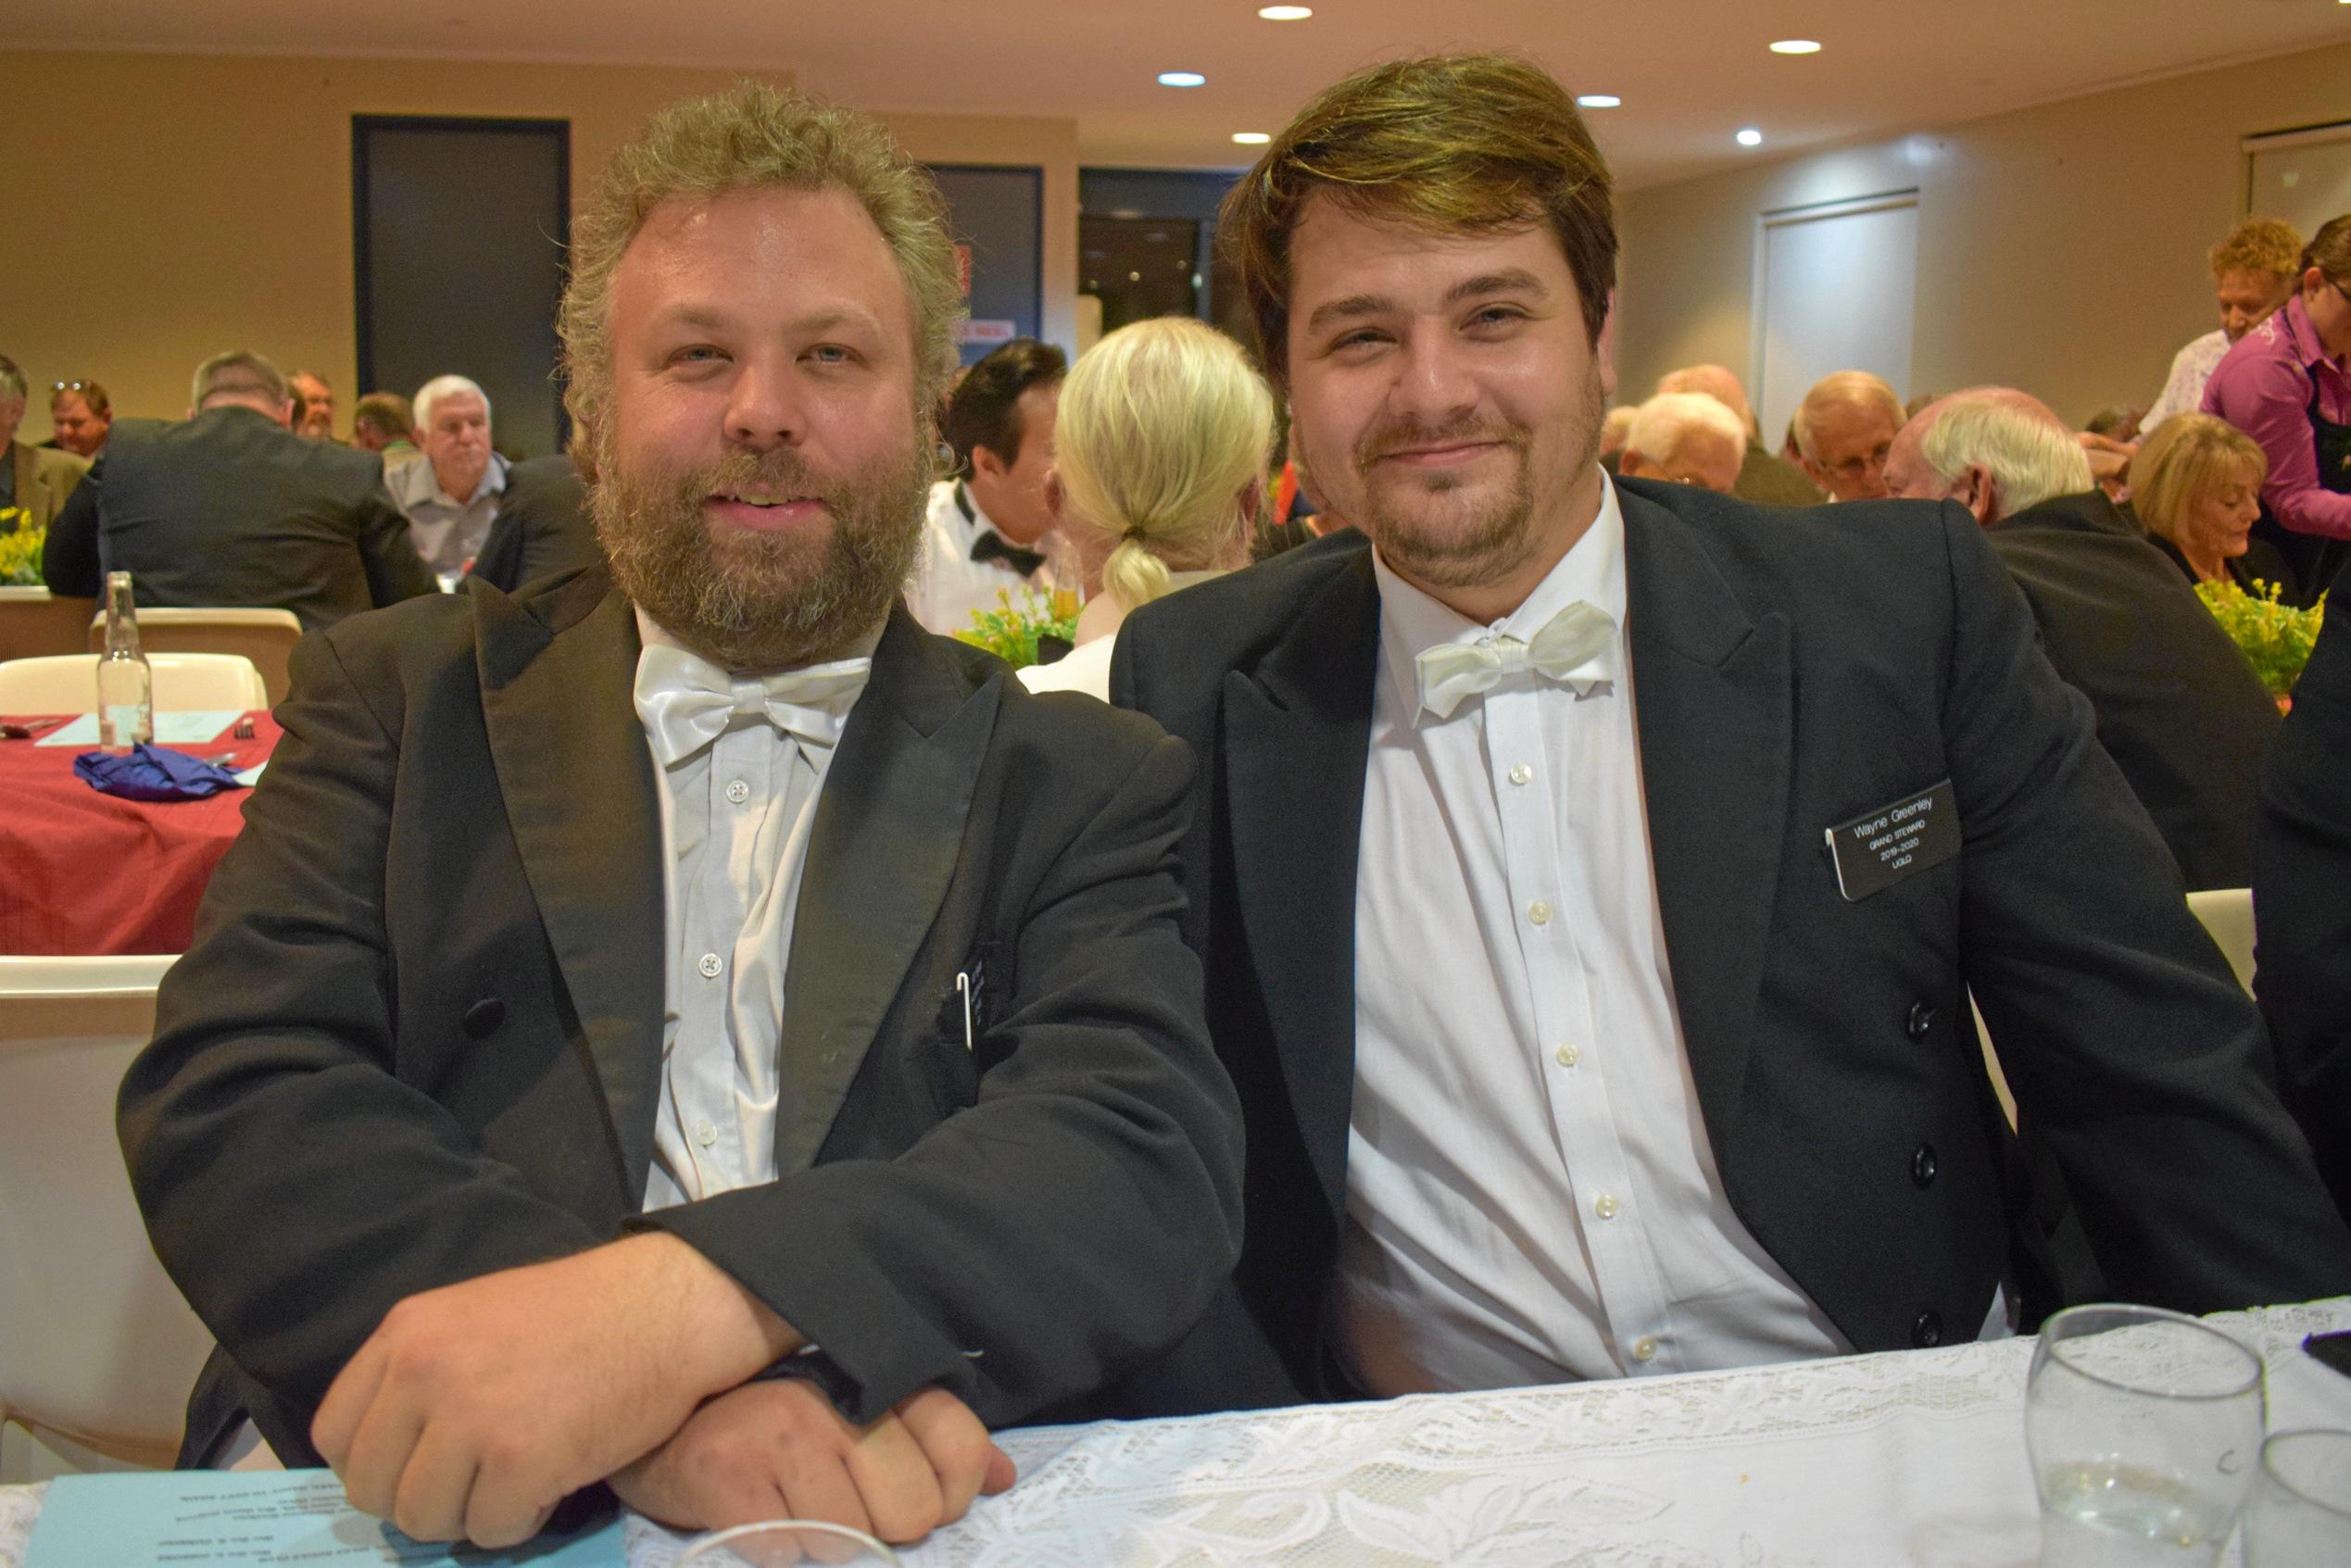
(97,1343)
(265,636)
(2226,912)
(184,683)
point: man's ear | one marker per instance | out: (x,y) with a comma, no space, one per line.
(286,413)
(986,465)
(1979,493)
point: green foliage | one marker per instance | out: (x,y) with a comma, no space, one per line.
(1010,632)
(2276,637)
(20,548)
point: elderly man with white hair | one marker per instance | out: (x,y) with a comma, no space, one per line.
(1763,477)
(2177,705)
(1843,428)
(1685,438)
(452,498)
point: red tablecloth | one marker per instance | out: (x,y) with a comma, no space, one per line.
(85,874)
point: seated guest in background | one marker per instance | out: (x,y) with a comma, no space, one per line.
(2287,384)
(690,1027)
(2253,273)
(1161,447)
(2195,486)
(35,480)
(2302,895)
(2178,707)
(79,416)
(382,422)
(450,497)
(543,526)
(1685,438)
(985,530)
(2116,421)
(230,507)
(313,405)
(1614,429)
(1843,428)
(1568,1047)
(1762,477)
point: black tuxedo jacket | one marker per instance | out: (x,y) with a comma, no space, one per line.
(232,508)
(2178,707)
(1794,669)
(2301,901)
(418,1038)
(542,529)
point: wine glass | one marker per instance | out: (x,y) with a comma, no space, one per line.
(779,1543)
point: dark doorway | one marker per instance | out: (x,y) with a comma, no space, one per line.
(461,228)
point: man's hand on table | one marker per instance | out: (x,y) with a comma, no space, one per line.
(780,1450)
(474,1409)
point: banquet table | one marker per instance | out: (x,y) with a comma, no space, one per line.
(1910,1457)
(83,874)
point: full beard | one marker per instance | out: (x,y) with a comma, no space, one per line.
(753,601)
(1433,531)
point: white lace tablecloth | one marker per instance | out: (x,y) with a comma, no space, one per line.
(1910,1457)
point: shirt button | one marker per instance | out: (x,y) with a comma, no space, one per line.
(1568,1056)
(1644,1349)
(1540,912)
(710,965)
(1604,1205)
(1521,775)
(705,1134)
(738,792)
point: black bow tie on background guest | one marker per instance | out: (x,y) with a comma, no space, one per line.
(992,545)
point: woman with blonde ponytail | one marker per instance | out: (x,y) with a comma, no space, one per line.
(1160,455)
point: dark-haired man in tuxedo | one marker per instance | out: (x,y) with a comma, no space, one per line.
(691,1029)
(1591,875)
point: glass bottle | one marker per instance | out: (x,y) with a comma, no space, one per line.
(126,687)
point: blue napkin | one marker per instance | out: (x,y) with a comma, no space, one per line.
(154,772)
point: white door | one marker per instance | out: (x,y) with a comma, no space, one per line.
(1833,290)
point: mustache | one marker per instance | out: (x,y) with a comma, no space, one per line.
(1410,434)
(776,473)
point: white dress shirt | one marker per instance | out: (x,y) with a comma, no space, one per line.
(1530,1193)
(447,532)
(948,584)
(736,817)
(2184,388)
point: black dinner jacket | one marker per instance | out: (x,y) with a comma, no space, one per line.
(417,1038)
(2301,901)
(1794,670)
(2178,707)
(543,526)
(231,509)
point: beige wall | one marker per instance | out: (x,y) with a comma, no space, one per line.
(163,207)
(2060,248)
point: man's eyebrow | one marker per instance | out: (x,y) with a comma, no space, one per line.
(1510,280)
(713,317)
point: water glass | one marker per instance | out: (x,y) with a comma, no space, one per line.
(2144,1430)
(778,1543)
(2300,1516)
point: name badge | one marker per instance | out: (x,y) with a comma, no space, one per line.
(1879,848)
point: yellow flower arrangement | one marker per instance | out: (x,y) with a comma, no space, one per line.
(2276,637)
(20,548)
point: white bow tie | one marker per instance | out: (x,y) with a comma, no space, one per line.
(685,701)
(1577,649)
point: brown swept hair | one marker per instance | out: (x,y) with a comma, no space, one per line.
(757,136)
(1454,143)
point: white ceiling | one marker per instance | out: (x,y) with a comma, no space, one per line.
(1690,71)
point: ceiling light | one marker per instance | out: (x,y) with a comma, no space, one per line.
(1251,138)
(1300,13)
(1795,46)
(1610,100)
(1182,79)
(1751,137)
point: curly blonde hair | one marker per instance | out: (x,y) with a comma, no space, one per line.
(756,136)
(2258,245)
(1162,425)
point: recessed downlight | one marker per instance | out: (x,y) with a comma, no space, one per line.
(1251,138)
(1598,101)
(1795,46)
(1182,79)
(1284,13)
(1750,137)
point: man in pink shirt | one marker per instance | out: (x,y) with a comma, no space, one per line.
(2286,384)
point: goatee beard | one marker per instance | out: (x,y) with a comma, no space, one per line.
(748,600)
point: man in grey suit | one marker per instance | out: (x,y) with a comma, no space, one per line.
(229,507)
(689,1028)
(1591,875)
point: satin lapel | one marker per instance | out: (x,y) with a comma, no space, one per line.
(1713,690)
(888,833)
(558,702)
(1296,732)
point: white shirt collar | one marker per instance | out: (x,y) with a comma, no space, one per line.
(652,633)
(1593,571)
